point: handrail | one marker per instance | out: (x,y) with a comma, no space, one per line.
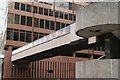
(101,57)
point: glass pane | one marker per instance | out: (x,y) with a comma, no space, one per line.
(36,22)
(29,21)
(10,18)
(23,7)
(23,20)
(40,10)
(46,24)
(22,36)
(28,36)
(57,25)
(41,23)
(17,18)
(52,25)
(9,34)
(45,11)
(28,8)
(17,5)
(16,35)
(35,9)
(36,36)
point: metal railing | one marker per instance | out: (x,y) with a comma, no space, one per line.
(44,39)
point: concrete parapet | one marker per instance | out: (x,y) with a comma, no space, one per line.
(107,68)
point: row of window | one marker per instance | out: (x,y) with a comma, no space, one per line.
(69,5)
(21,35)
(44,11)
(41,23)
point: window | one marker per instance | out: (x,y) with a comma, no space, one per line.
(29,21)
(23,20)
(36,22)
(67,24)
(36,36)
(40,10)
(72,6)
(45,11)
(22,36)
(41,23)
(16,35)
(9,34)
(23,7)
(56,13)
(10,5)
(66,15)
(10,18)
(70,16)
(35,9)
(74,17)
(57,25)
(17,5)
(46,24)
(63,25)
(61,14)
(17,18)
(50,12)
(28,36)
(52,25)
(29,8)
(41,35)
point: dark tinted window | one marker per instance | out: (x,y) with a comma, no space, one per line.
(52,25)
(16,35)
(17,5)
(22,36)
(45,11)
(28,36)
(23,20)
(41,23)
(36,22)
(23,7)
(57,25)
(29,8)
(35,9)
(29,21)
(40,10)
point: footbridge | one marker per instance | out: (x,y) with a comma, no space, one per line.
(62,42)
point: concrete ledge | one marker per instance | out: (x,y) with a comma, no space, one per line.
(107,68)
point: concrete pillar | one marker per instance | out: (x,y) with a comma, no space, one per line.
(7,63)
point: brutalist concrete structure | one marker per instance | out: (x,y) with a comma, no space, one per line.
(108,68)
(101,19)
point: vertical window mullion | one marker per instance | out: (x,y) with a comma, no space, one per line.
(13,18)
(25,37)
(26,20)
(20,20)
